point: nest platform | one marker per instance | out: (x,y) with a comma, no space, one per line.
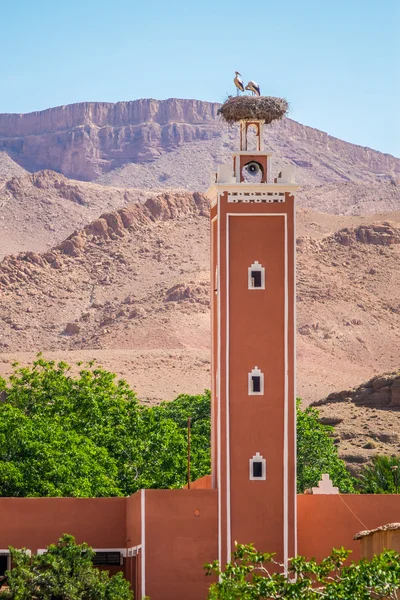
(253,108)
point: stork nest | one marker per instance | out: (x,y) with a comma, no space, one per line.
(257,108)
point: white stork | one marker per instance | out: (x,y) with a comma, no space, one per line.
(254,88)
(238,81)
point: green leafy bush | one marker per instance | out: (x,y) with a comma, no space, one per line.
(64,572)
(317,454)
(381,476)
(253,575)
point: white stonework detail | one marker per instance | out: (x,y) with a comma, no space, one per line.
(255,194)
(287,175)
(257,458)
(256,373)
(134,551)
(325,486)
(256,197)
(225,174)
(256,267)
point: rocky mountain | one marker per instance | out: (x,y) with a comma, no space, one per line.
(365,418)
(84,140)
(9,168)
(177,144)
(132,290)
(38,210)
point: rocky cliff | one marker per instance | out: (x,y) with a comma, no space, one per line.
(86,140)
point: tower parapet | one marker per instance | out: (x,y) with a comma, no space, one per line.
(252,165)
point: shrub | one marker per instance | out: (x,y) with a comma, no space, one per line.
(64,572)
(253,575)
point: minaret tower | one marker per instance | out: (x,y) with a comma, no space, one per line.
(253,343)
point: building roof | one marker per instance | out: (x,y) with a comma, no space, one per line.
(389,526)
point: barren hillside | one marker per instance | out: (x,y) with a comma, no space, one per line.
(132,289)
(39,210)
(366,419)
(9,168)
(173,144)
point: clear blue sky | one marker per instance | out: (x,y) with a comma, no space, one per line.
(336,61)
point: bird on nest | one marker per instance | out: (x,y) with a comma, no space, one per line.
(254,88)
(238,81)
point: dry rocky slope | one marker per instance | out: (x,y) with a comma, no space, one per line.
(177,144)
(38,210)
(9,168)
(365,418)
(132,289)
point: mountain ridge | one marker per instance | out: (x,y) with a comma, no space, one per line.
(86,140)
(39,210)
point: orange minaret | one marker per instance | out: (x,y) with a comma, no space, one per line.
(253,351)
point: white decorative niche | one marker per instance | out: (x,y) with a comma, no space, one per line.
(256,276)
(256,382)
(258,467)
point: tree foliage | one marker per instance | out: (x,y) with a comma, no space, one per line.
(64,572)
(252,575)
(381,476)
(317,454)
(88,435)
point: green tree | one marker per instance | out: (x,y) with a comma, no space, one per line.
(40,457)
(253,575)
(317,454)
(198,408)
(381,476)
(87,435)
(64,572)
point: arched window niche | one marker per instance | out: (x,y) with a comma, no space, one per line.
(256,382)
(256,276)
(258,467)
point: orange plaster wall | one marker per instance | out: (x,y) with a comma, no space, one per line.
(178,543)
(204,483)
(257,339)
(133,566)
(133,520)
(214,347)
(325,522)
(35,523)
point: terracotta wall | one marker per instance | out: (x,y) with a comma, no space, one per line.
(37,522)
(326,521)
(180,536)
(133,520)
(204,483)
(256,333)
(133,565)
(214,344)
